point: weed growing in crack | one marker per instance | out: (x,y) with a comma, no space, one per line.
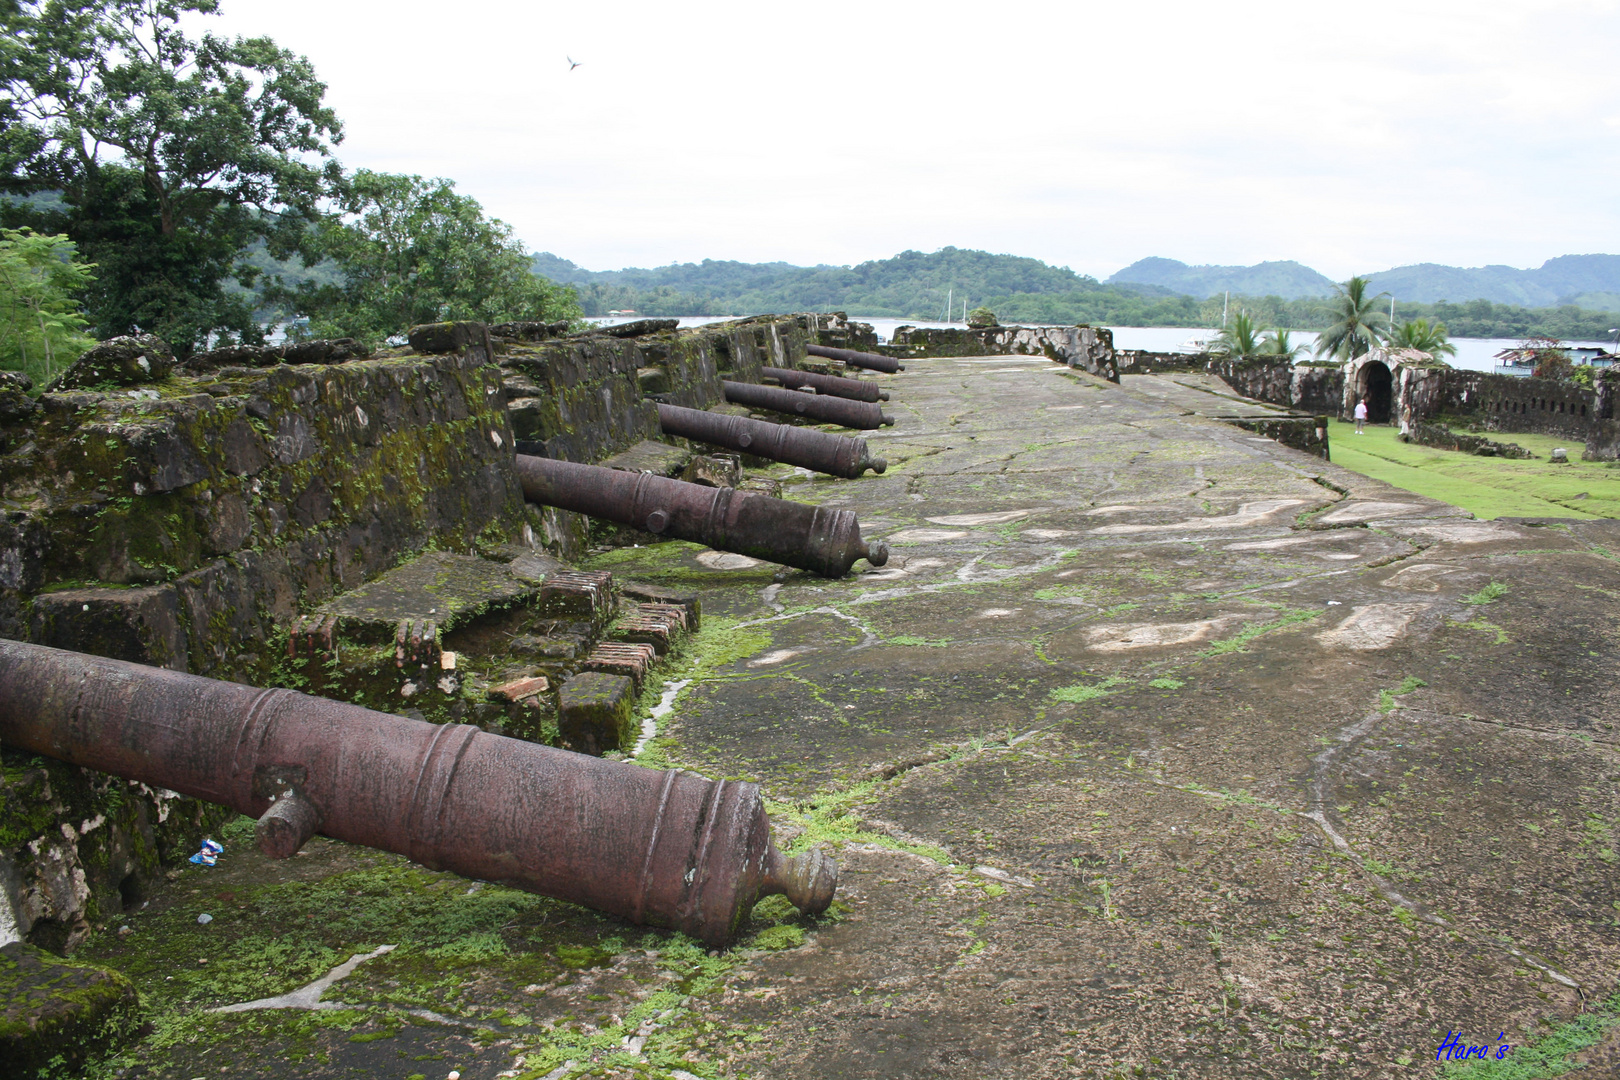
(1386,698)
(1080,693)
(1489,594)
(1239,642)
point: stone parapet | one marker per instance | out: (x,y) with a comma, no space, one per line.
(1090,348)
(586,397)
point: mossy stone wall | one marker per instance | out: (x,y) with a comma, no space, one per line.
(582,399)
(204,512)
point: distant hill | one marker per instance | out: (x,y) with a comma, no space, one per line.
(909,285)
(914,285)
(1565,279)
(1289,280)
(1588,281)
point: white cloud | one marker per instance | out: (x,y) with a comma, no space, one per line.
(1085,134)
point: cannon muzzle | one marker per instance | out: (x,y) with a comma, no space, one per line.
(814,538)
(670,849)
(831,385)
(836,455)
(827,409)
(869,360)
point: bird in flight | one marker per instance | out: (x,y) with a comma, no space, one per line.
(572,63)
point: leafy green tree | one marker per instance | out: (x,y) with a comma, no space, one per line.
(1424,336)
(1552,359)
(171,156)
(1280,343)
(1358,324)
(412,251)
(41,330)
(1242,337)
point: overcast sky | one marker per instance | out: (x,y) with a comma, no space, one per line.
(1351,136)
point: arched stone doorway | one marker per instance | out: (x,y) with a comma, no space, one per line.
(1376,384)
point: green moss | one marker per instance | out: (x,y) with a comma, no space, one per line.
(1239,642)
(779,937)
(1087,692)
(1489,594)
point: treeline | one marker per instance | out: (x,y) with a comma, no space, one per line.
(914,285)
(1474,319)
(911,285)
(192,181)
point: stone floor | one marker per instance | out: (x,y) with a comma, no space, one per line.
(1156,749)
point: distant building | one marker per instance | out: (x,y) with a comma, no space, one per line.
(1524,361)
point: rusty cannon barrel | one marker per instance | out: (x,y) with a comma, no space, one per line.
(814,538)
(834,385)
(670,849)
(822,451)
(870,360)
(831,410)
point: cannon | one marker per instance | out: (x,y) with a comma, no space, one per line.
(814,538)
(872,361)
(832,410)
(833,385)
(836,455)
(671,849)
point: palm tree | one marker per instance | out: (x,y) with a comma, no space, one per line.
(1240,339)
(1278,343)
(1359,324)
(1423,336)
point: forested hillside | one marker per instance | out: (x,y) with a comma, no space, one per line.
(1588,281)
(913,285)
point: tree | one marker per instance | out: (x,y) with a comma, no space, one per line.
(41,330)
(1552,360)
(1358,324)
(1424,336)
(171,155)
(1240,339)
(413,251)
(1278,343)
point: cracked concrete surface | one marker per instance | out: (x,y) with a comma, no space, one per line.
(1276,821)
(1160,751)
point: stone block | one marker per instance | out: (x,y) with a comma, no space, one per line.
(253,356)
(638,328)
(578,594)
(528,330)
(652,380)
(687,600)
(596,713)
(439,586)
(761,485)
(55,1008)
(15,404)
(714,470)
(660,459)
(124,361)
(142,626)
(553,647)
(447,337)
(661,626)
(325,351)
(630,659)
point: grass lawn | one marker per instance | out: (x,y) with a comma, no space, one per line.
(1486,487)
